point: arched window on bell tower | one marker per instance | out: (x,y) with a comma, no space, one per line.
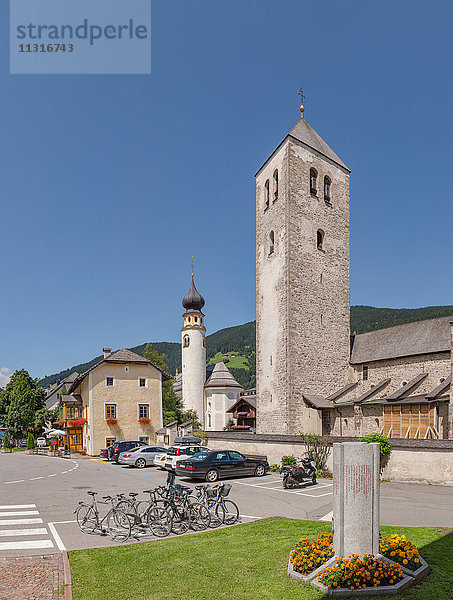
(186,342)
(327,183)
(320,239)
(313,181)
(275,184)
(271,242)
(266,194)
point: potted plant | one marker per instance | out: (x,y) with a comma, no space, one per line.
(61,423)
(111,421)
(6,444)
(144,421)
(81,422)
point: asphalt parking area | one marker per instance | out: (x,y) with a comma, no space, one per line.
(55,486)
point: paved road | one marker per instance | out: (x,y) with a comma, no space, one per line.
(45,491)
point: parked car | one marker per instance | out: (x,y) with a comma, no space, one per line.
(104,453)
(160,459)
(118,447)
(41,442)
(140,457)
(211,466)
(175,453)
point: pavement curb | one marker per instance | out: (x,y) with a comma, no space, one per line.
(67,576)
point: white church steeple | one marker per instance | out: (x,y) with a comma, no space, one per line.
(193,341)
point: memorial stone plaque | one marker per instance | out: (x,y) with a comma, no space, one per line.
(356,498)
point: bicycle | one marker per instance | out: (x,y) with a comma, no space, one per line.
(224,511)
(150,513)
(185,514)
(116,522)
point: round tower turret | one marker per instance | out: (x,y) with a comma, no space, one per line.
(193,334)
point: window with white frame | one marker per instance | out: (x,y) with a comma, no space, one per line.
(110,411)
(143,411)
(144,439)
(109,441)
(142,382)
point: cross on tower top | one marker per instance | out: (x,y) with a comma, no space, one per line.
(302,98)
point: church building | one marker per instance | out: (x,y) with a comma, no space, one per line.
(209,391)
(312,376)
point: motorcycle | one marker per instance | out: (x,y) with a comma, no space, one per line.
(293,475)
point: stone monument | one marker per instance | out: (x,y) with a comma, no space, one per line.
(355,522)
(356,498)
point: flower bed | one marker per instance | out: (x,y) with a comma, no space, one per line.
(144,421)
(111,421)
(399,549)
(355,573)
(309,554)
(81,422)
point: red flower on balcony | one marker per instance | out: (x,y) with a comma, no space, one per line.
(81,422)
(111,421)
(61,423)
(71,424)
(144,420)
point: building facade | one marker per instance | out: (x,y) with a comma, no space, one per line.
(302,264)
(312,376)
(119,398)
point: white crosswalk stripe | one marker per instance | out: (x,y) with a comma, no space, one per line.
(13,528)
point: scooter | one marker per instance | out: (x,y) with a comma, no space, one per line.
(293,475)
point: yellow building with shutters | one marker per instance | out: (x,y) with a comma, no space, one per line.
(119,398)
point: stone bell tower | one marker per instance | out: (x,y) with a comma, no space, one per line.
(302,280)
(193,335)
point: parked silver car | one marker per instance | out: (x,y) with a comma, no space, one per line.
(140,457)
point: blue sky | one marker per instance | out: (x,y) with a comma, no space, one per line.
(111,183)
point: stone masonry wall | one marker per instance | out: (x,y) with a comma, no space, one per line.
(271,296)
(318,314)
(410,460)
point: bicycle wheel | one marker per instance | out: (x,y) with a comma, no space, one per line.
(159,521)
(86,518)
(119,525)
(216,520)
(141,510)
(181,519)
(200,517)
(129,510)
(228,511)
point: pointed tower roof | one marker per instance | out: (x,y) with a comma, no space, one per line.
(193,300)
(218,375)
(303,132)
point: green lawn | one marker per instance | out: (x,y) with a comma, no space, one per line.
(245,562)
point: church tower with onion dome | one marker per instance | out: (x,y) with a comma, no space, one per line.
(193,333)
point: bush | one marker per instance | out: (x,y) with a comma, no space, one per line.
(6,443)
(320,450)
(30,441)
(289,460)
(383,442)
(324,473)
(274,468)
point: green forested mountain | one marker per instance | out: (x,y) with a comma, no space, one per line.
(369,318)
(240,341)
